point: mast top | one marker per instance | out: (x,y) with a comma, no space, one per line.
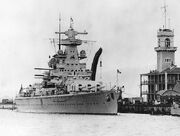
(59,32)
(71,33)
(165,13)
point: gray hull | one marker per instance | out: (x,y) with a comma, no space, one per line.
(88,103)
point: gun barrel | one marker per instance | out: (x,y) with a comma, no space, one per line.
(43,69)
(38,75)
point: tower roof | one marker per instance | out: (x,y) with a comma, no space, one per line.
(165,33)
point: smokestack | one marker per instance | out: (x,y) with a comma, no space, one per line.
(94,64)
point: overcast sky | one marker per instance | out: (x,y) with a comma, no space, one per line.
(125,29)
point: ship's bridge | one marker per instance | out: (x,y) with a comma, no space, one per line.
(67,42)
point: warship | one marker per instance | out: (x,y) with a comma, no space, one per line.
(67,86)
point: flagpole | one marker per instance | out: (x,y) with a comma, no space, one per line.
(117,79)
(59,31)
(71,23)
(118,72)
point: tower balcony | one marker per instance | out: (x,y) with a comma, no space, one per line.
(170,49)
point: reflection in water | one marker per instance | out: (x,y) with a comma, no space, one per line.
(27,124)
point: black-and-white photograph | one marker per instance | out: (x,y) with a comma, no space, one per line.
(89,67)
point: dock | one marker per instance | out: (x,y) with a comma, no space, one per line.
(160,109)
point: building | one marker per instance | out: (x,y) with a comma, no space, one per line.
(167,73)
(7,101)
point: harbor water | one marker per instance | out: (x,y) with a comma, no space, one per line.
(13,123)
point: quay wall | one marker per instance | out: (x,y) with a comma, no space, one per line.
(145,108)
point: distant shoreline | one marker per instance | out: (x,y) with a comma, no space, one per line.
(9,106)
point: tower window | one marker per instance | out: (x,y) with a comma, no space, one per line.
(167,42)
(168,60)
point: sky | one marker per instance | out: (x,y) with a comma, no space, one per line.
(125,29)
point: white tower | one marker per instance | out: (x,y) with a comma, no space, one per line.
(165,50)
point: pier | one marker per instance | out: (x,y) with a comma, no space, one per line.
(160,109)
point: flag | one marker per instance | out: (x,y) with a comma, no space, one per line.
(71,19)
(119,72)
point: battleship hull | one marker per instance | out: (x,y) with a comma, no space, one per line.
(103,102)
